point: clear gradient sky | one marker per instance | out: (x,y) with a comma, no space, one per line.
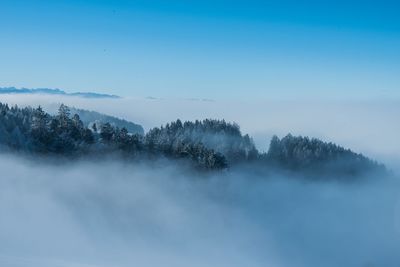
(207,49)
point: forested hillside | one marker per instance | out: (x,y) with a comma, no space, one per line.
(223,137)
(207,144)
(313,155)
(35,131)
(90,117)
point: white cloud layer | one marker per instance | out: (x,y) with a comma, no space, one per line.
(113,214)
(103,214)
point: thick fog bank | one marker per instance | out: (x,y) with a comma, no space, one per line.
(103,214)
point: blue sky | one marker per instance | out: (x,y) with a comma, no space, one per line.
(206,49)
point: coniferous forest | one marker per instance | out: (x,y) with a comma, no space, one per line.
(206,145)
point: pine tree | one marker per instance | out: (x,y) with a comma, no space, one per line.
(40,129)
(63,116)
(107,132)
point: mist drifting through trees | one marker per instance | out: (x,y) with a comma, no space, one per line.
(208,144)
(188,193)
(199,133)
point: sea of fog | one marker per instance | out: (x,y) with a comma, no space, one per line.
(118,214)
(113,214)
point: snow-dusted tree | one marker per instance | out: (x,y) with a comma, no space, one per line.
(40,119)
(107,132)
(64,116)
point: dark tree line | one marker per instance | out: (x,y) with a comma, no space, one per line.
(61,134)
(303,153)
(36,131)
(208,144)
(223,137)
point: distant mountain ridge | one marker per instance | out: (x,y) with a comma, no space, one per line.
(92,117)
(56,91)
